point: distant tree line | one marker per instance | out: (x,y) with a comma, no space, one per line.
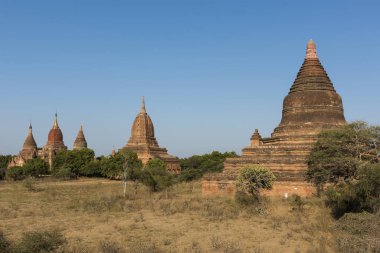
(71,164)
(196,166)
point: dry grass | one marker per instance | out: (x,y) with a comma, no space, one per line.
(95,217)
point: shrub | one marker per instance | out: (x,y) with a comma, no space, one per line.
(73,159)
(244,199)
(16,173)
(64,173)
(3,172)
(35,242)
(29,184)
(297,202)
(253,179)
(5,245)
(356,196)
(108,247)
(35,167)
(4,160)
(91,169)
(196,166)
(112,167)
(156,177)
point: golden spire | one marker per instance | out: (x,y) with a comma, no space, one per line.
(311,50)
(143,105)
(55,126)
(81,128)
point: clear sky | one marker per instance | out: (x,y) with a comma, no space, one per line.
(210,70)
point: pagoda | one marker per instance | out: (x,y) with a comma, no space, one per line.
(311,105)
(29,150)
(54,144)
(80,142)
(144,143)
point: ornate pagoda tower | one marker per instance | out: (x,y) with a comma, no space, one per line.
(144,143)
(80,142)
(54,143)
(311,105)
(29,150)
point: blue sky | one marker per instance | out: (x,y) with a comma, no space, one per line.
(211,70)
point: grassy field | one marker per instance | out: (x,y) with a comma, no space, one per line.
(94,216)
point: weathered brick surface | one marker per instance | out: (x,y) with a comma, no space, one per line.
(311,105)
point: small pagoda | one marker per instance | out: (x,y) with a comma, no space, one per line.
(29,150)
(80,141)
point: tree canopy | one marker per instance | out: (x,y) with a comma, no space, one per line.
(339,153)
(156,176)
(196,166)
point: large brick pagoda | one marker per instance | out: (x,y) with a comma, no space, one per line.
(144,143)
(311,105)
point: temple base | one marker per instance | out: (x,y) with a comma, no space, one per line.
(224,187)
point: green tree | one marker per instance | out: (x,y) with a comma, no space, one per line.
(71,162)
(134,166)
(339,153)
(196,166)
(16,173)
(36,167)
(253,179)
(362,194)
(156,177)
(4,160)
(112,167)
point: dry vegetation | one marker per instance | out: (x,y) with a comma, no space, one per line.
(93,216)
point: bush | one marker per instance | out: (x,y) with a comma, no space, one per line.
(4,160)
(156,177)
(356,196)
(64,173)
(35,167)
(244,199)
(16,173)
(108,247)
(112,167)
(253,179)
(5,245)
(196,166)
(3,172)
(73,159)
(91,169)
(29,184)
(297,202)
(35,242)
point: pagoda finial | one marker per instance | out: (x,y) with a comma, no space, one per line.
(311,50)
(81,128)
(55,126)
(143,110)
(30,125)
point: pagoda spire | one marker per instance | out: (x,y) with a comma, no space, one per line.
(311,50)
(143,110)
(55,126)
(29,141)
